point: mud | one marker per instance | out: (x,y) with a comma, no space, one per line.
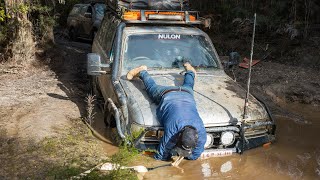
(295,155)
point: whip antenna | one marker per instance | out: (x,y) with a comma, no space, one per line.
(246,104)
(250,64)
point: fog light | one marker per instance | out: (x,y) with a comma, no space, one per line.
(209,141)
(227,138)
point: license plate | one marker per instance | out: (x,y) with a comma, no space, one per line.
(216,153)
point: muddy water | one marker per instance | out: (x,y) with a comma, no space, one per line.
(99,126)
(295,155)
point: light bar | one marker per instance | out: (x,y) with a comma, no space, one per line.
(132,15)
(165,17)
(157,15)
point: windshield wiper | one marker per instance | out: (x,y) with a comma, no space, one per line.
(156,67)
(208,67)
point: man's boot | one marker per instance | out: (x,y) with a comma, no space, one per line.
(188,67)
(135,72)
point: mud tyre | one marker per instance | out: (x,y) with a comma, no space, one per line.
(72,35)
(93,35)
(112,128)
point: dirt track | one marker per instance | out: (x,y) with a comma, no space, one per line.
(43,103)
(41,110)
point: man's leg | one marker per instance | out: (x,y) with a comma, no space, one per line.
(154,91)
(188,80)
(135,72)
(189,76)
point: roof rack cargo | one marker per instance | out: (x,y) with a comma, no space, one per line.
(118,5)
(163,17)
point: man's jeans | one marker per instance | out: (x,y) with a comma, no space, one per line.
(155,91)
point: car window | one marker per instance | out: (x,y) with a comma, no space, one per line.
(100,9)
(110,36)
(75,10)
(106,33)
(89,10)
(83,9)
(168,51)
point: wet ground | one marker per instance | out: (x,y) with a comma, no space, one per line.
(295,154)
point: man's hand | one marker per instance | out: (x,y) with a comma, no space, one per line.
(178,161)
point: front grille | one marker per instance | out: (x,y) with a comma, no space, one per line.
(256,132)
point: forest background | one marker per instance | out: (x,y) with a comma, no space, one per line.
(29,25)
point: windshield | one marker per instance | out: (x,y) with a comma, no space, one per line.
(168,51)
(100,8)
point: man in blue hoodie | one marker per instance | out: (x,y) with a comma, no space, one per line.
(184,131)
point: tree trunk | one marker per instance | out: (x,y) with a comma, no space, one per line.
(21,47)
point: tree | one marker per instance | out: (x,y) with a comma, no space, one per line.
(25,24)
(20,47)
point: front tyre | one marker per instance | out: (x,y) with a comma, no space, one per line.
(72,34)
(93,34)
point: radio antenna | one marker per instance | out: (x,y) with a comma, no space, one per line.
(246,104)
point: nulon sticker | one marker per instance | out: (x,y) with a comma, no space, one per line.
(169,36)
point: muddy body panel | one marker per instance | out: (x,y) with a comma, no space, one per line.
(85,19)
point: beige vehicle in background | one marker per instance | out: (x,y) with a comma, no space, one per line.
(84,20)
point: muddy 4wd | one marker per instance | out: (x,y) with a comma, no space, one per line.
(163,43)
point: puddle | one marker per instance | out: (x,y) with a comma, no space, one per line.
(99,126)
(295,155)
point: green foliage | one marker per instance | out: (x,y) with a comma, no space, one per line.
(123,174)
(39,13)
(64,172)
(97,175)
(134,135)
(21,8)
(271,15)
(2,14)
(42,18)
(127,153)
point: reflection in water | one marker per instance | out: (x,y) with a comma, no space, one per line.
(226,167)
(206,170)
(295,155)
(318,164)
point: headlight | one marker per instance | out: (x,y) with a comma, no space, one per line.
(227,138)
(209,141)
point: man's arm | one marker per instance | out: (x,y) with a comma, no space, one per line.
(167,143)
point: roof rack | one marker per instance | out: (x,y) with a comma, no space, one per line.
(163,17)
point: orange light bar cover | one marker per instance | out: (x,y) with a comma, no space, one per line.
(136,15)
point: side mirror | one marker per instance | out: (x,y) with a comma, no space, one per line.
(88,15)
(94,66)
